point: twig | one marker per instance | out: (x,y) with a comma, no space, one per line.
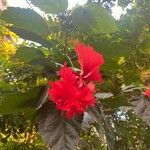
(66,42)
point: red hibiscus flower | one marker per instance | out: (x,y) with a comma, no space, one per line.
(68,95)
(147,92)
(90,62)
(73,93)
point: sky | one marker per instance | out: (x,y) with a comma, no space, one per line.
(116,11)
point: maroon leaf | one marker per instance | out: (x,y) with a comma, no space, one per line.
(57,132)
(43,97)
(142,108)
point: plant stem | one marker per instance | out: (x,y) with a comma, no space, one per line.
(66,42)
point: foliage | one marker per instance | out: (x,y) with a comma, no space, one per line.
(7,43)
(17,132)
(25,19)
(58,132)
(130,133)
(86,19)
(51,6)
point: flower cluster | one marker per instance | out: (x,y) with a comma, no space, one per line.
(147,92)
(73,92)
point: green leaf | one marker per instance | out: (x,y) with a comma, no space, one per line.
(116,101)
(92,17)
(4,86)
(110,49)
(18,101)
(57,132)
(111,64)
(51,6)
(26,19)
(32,37)
(28,54)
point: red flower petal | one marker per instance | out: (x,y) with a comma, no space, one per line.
(68,96)
(147,92)
(91,86)
(68,74)
(90,62)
